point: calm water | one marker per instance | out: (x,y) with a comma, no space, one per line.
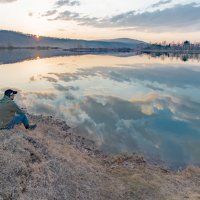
(134,103)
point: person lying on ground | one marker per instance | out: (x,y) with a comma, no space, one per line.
(11,114)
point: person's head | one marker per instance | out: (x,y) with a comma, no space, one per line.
(10,93)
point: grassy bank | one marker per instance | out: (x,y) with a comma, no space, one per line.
(53,163)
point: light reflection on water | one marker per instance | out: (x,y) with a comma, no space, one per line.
(135,103)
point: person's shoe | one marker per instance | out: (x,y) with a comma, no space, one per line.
(31,127)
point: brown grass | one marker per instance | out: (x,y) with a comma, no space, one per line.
(52,163)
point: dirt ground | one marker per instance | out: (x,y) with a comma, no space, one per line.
(54,164)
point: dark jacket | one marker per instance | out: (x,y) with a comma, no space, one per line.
(8,108)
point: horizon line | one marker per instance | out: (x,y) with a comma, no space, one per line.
(65,38)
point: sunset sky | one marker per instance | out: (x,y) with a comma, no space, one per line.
(148,20)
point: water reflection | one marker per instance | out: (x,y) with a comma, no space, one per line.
(124,104)
(18,55)
(184,57)
(129,126)
(171,77)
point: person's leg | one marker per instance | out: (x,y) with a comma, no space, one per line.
(17,119)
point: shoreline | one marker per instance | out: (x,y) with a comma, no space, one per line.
(20,55)
(89,147)
(170,51)
(53,163)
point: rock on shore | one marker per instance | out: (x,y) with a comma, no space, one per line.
(52,163)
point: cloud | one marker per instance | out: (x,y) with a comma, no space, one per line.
(69,96)
(49,79)
(177,18)
(68,15)
(66,76)
(67,3)
(44,95)
(7,1)
(169,76)
(109,122)
(74,16)
(43,108)
(121,125)
(49,13)
(163,2)
(172,77)
(65,88)
(154,87)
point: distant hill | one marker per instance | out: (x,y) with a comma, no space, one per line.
(125,40)
(10,39)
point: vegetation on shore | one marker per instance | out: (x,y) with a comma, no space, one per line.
(185,47)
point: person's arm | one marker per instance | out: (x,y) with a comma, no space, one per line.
(17,109)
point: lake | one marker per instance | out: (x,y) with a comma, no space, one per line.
(144,104)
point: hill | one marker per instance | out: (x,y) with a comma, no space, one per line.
(126,40)
(9,39)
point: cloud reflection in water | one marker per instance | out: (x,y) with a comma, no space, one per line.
(150,108)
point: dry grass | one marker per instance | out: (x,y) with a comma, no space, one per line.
(51,163)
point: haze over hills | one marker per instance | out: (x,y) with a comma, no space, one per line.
(125,40)
(16,39)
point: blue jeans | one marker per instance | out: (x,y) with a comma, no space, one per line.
(17,119)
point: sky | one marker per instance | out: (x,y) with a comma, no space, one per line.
(147,20)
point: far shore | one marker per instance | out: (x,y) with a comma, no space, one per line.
(82,50)
(105,50)
(171,51)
